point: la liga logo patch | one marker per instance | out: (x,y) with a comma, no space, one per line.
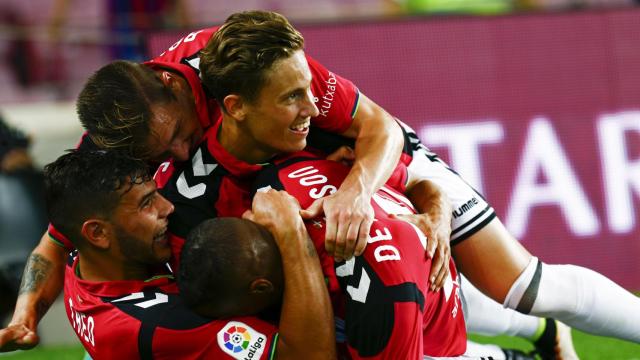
(241,341)
(236,339)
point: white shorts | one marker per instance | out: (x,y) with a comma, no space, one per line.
(471,212)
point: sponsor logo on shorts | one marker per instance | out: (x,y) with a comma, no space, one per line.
(241,342)
(465,207)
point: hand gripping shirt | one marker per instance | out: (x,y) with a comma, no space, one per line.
(382,295)
(337,99)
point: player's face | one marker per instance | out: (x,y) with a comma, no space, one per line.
(278,121)
(140,222)
(175,128)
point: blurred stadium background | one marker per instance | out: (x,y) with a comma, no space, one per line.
(535,102)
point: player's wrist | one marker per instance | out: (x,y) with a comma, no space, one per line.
(358,182)
(27,318)
(292,240)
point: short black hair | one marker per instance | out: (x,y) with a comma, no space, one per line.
(84,184)
(217,257)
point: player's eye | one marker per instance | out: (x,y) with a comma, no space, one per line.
(294,95)
(147,202)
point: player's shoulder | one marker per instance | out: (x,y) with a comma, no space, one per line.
(158,308)
(194,188)
(186,49)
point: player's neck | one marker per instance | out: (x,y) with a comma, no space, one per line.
(239,144)
(92,267)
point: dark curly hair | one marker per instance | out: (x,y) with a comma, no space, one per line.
(84,184)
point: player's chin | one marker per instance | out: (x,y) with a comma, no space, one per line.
(294,145)
(161,247)
(162,254)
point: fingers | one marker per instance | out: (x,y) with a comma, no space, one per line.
(248,215)
(330,236)
(406,217)
(363,237)
(439,268)
(6,339)
(343,154)
(28,341)
(432,245)
(314,210)
(16,337)
(351,235)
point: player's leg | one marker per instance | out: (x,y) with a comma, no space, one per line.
(496,263)
(493,261)
(487,317)
(484,316)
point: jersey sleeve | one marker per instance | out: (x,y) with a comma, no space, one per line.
(337,98)
(59,239)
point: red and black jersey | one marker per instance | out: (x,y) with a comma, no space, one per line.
(183,57)
(383,294)
(148,320)
(337,99)
(214,183)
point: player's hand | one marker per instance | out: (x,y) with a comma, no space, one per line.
(344,154)
(438,248)
(349,216)
(17,337)
(276,210)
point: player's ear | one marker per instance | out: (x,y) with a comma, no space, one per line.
(166,77)
(235,106)
(261,286)
(97,233)
(170,79)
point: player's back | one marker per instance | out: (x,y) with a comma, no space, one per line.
(383,294)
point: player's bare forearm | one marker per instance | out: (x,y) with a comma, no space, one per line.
(41,284)
(378,147)
(348,211)
(305,301)
(429,199)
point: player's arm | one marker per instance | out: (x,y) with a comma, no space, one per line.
(41,284)
(348,212)
(434,220)
(306,329)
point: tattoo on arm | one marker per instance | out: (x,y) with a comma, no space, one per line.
(38,270)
